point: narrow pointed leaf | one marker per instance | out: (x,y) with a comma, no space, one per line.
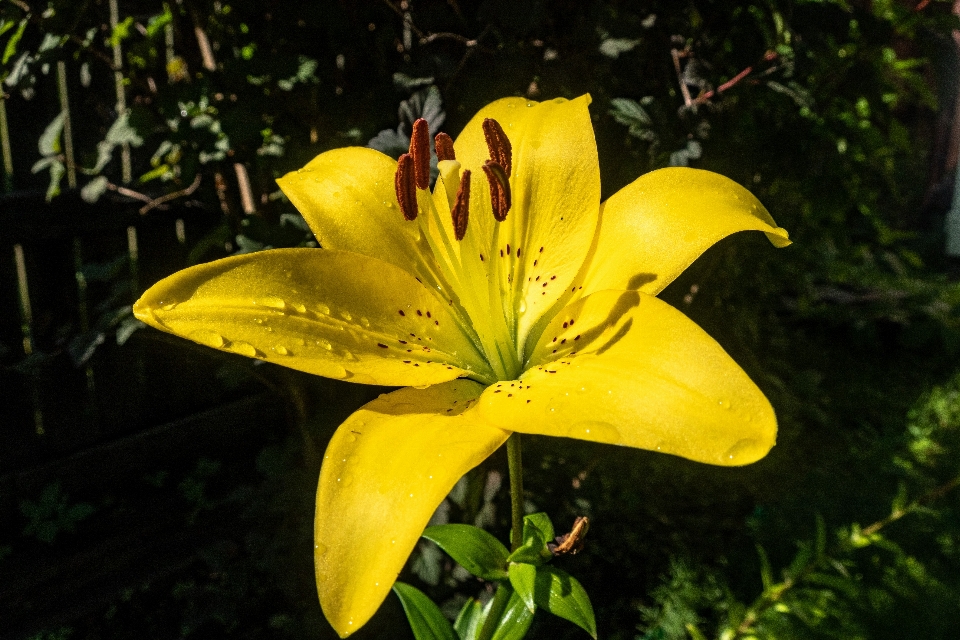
(523,577)
(425,617)
(562,595)
(515,620)
(469,620)
(476,550)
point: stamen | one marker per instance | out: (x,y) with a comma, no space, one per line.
(501,151)
(460,210)
(499,189)
(420,150)
(444,146)
(406,187)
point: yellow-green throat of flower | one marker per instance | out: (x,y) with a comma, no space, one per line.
(481,274)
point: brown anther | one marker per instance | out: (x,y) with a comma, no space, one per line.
(406,187)
(498,144)
(444,146)
(461,207)
(499,189)
(420,150)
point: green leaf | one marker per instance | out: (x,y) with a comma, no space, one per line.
(424,616)
(537,532)
(562,595)
(94,189)
(476,550)
(49,143)
(57,171)
(613,47)
(515,620)
(523,577)
(11,48)
(766,571)
(469,620)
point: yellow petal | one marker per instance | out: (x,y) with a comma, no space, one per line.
(331,313)
(347,196)
(629,369)
(385,471)
(654,228)
(556,195)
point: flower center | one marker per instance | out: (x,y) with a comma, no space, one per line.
(465,254)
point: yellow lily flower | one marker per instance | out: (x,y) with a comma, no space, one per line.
(507,300)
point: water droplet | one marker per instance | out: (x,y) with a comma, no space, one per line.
(281,350)
(298,307)
(208,338)
(346,316)
(244,349)
(388,204)
(324,309)
(170,306)
(364,322)
(258,320)
(320,549)
(323,343)
(273,302)
(724,403)
(523,306)
(336,371)
(301,342)
(351,438)
(594,430)
(743,452)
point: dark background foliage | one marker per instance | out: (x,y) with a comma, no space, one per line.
(153,489)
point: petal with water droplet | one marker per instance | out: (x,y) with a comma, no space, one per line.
(625,368)
(368,523)
(221,302)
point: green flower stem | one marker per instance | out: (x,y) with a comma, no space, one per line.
(497,607)
(515,465)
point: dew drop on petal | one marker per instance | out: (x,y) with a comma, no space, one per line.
(273,302)
(281,350)
(742,452)
(208,338)
(320,549)
(324,309)
(244,349)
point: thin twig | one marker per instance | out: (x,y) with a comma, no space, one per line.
(171,196)
(687,100)
(732,82)
(397,10)
(153,203)
(448,36)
